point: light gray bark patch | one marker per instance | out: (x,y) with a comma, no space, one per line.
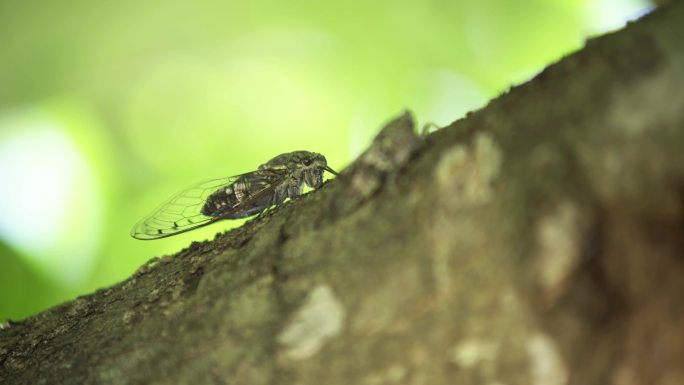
(546,365)
(318,320)
(470,171)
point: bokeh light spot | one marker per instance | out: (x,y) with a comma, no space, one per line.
(49,199)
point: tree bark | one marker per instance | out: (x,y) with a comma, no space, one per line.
(539,240)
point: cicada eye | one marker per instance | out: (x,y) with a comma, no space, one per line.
(306,161)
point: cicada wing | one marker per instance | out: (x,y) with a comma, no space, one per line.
(183,212)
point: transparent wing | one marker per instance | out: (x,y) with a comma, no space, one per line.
(183,212)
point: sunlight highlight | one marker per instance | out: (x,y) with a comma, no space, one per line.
(50,206)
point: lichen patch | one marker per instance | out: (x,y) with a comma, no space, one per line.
(546,364)
(558,236)
(472,352)
(320,318)
(470,171)
(488,155)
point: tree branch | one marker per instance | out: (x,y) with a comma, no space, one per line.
(538,240)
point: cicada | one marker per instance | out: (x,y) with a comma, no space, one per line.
(235,197)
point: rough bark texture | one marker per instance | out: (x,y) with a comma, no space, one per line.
(537,241)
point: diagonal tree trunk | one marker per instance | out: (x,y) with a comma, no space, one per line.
(539,240)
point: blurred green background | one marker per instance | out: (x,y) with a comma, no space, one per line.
(108,108)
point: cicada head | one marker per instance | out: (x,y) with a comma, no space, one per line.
(302,166)
(307,167)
